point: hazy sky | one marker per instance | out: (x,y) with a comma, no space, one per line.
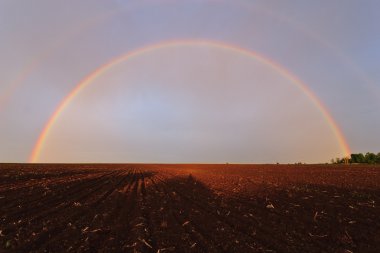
(189,103)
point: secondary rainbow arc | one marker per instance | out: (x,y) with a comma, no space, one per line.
(13,86)
(38,147)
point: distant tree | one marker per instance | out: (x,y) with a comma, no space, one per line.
(357,158)
(370,158)
(338,160)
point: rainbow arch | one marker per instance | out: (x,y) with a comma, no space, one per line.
(182,43)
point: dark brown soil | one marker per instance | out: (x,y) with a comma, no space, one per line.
(189,208)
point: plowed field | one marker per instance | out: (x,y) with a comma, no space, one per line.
(189,208)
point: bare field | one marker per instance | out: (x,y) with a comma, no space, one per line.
(189,208)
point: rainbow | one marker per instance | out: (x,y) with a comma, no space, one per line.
(14,85)
(34,157)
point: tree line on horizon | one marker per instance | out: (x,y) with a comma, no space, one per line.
(368,158)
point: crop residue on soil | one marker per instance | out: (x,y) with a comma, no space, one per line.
(189,208)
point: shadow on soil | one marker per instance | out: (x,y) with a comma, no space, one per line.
(305,218)
(141,212)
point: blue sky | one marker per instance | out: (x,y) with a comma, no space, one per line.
(170,105)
